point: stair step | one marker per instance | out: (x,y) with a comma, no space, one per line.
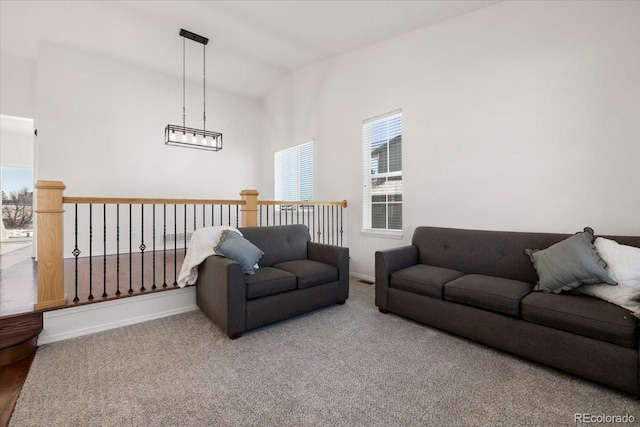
(19,336)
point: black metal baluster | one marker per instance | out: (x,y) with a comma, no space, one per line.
(130,249)
(324,223)
(267,208)
(313,219)
(260,214)
(229,214)
(212,216)
(153,286)
(333,223)
(194,223)
(303,210)
(175,245)
(237,216)
(313,223)
(185,230)
(319,226)
(164,246)
(76,252)
(328,225)
(142,248)
(90,253)
(104,249)
(341,230)
(220,214)
(203,216)
(118,250)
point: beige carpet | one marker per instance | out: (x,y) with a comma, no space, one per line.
(345,365)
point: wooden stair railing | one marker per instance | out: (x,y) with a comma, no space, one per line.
(324,219)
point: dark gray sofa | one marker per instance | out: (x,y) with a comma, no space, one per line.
(478,284)
(295,276)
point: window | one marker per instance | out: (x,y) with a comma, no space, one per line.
(382,170)
(293,171)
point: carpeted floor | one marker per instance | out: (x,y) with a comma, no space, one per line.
(345,365)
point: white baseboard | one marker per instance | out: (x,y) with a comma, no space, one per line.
(88,319)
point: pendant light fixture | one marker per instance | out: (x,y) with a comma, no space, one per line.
(183,136)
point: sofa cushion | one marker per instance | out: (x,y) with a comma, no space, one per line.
(232,245)
(280,243)
(584,315)
(488,292)
(310,273)
(570,263)
(269,281)
(423,279)
(624,267)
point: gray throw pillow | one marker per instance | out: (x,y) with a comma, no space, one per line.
(569,264)
(235,247)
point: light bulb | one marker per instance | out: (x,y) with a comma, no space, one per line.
(173,136)
(204,140)
(184,137)
(194,139)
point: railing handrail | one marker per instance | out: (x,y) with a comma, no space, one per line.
(342,203)
(171,201)
(149,201)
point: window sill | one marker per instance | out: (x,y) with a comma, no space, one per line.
(385,234)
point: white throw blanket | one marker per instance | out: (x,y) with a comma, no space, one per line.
(202,244)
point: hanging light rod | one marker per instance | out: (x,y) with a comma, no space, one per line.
(193,36)
(187,137)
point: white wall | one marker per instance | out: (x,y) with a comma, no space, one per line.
(17,85)
(520,116)
(101,131)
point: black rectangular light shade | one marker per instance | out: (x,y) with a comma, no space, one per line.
(193,36)
(199,139)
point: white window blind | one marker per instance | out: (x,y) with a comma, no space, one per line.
(382,172)
(293,172)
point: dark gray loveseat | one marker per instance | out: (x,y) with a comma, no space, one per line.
(478,284)
(295,276)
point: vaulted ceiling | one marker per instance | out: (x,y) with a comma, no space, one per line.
(253,44)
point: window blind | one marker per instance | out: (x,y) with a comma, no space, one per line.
(293,173)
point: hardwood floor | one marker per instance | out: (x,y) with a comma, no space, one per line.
(106,275)
(12,378)
(97,277)
(18,344)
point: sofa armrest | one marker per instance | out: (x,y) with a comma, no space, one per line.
(221,293)
(336,256)
(387,261)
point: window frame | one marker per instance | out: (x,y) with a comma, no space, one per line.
(368,204)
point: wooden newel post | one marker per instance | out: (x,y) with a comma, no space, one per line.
(250,208)
(50,245)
